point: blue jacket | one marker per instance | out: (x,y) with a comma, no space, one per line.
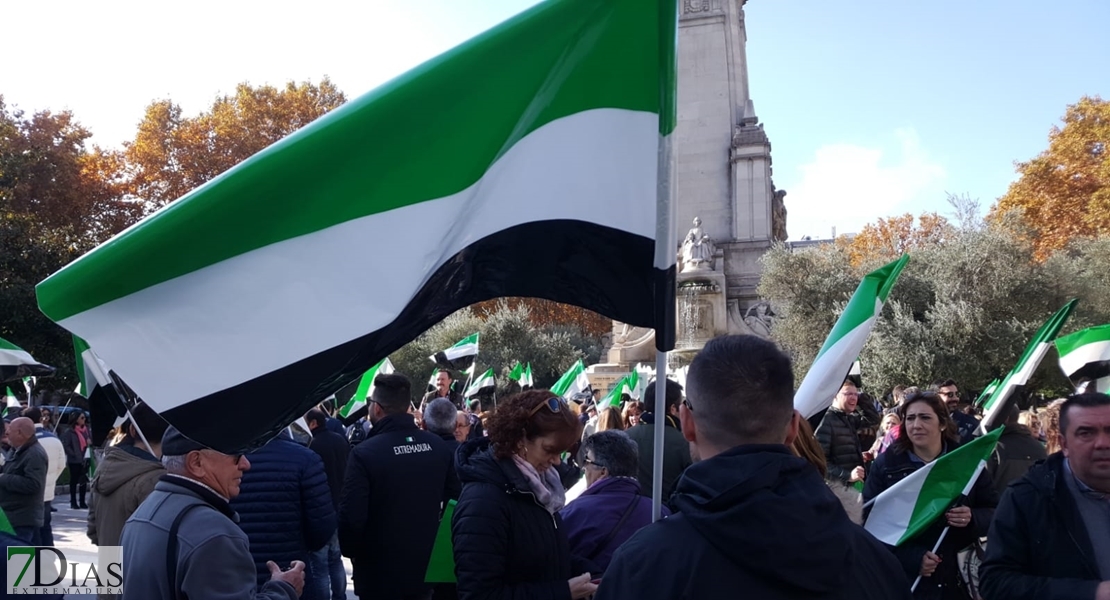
(592,517)
(284,504)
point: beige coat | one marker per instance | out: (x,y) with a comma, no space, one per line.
(122,482)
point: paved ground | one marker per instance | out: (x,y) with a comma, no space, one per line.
(69,535)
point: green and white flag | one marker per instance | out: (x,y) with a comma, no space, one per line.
(613,398)
(573,382)
(846,340)
(1085,358)
(485,383)
(17,363)
(1026,366)
(987,392)
(459,357)
(527,161)
(10,400)
(526,381)
(516,372)
(365,388)
(910,506)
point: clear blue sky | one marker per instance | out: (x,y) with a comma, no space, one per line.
(873,107)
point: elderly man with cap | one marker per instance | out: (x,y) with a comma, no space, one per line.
(183,540)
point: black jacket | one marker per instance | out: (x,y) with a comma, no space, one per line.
(754,522)
(334,451)
(284,505)
(1017,450)
(892,466)
(507,546)
(838,434)
(454,486)
(396,483)
(1039,546)
(966,425)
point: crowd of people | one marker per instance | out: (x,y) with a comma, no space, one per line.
(759,502)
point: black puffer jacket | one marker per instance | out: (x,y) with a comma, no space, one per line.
(1039,546)
(507,546)
(284,504)
(839,438)
(1017,450)
(893,466)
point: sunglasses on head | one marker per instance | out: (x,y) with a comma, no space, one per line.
(553,404)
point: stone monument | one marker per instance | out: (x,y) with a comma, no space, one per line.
(724,187)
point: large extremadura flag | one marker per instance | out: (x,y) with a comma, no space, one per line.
(524,162)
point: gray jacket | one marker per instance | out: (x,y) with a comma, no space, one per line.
(213,555)
(22,485)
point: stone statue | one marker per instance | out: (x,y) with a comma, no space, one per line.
(778,216)
(760,318)
(697,250)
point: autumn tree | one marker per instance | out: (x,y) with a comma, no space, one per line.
(550,313)
(1064,192)
(173,153)
(58,199)
(889,238)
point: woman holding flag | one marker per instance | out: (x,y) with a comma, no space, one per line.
(926,433)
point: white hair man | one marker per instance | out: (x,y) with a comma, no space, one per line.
(186,525)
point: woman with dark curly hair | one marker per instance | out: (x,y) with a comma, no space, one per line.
(507,533)
(926,433)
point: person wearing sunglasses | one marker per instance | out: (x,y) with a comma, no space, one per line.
(509,540)
(949,392)
(183,540)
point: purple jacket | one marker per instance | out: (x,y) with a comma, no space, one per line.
(590,518)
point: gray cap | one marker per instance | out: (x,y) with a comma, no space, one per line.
(174,443)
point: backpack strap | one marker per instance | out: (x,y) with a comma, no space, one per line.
(613,532)
(171,549)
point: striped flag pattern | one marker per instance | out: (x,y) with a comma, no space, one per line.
(1085,358)
(846,339)
(541,180)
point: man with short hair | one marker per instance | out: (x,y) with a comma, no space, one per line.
(838,435)
(334,450)
(676,452)
(949,392)
(186,524)
(23,481)
(444,380)
(611,509)
(396,484)
(754,520)
(56,463)
(1049,535)
(441,418)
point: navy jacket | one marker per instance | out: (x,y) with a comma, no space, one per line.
(334,450)
(507,546)
(592,517)
(754,522)
(284,504)
(396,483)
(893,466)
(1039,546)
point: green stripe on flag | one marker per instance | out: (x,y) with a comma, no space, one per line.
(566,382)
(844,343)
(6,345)
(373,155)
(1026,365)
(950,476)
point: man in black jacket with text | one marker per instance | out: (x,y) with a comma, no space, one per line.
(396,483)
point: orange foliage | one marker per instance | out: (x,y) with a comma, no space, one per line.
(1064,192)
(889,238)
